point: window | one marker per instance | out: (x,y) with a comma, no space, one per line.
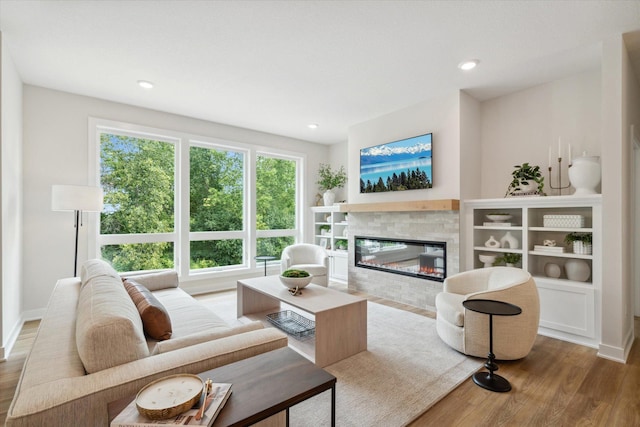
(137,176)
(275,203)
(216,206)
(191,203)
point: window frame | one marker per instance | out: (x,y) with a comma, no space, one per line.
(182,236)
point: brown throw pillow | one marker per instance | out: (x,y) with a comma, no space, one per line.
(155,319)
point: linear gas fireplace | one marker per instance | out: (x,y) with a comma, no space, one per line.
(423,259)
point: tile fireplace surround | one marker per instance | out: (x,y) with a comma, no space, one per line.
(440,225)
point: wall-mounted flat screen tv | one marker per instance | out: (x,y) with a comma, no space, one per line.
(397,166)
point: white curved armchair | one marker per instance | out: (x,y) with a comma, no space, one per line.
(311,258)
(468,331)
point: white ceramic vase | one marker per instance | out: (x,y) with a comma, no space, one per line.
(577,270)
(552,270)
(492,243)
(329,197)
(510,240)
(582,248)
(584,175)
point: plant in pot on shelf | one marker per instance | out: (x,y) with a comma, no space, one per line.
(526,179)
(510,259)
(325,229)
(341,245)
(582,242)
(330,179)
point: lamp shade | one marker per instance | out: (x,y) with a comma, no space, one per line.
(76,198)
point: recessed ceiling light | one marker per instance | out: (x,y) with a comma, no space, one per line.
(145,84)
(312,126)
(468,65)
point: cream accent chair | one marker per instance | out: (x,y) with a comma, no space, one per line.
(468,331)
(311,258)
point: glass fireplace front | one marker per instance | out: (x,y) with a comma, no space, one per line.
(423,259)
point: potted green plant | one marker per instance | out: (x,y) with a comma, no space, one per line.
(325,229)
(330,179)
(524,179)
(582,242)
(510,259)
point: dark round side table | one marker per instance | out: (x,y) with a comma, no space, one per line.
(489,380)
(265,258)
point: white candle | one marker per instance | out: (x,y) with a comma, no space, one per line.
(559,149)
(549,157)
(569,153)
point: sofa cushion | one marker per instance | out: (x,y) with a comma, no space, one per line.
(108,327)
(204,336)
(156,281)
(155,319)
(96,268)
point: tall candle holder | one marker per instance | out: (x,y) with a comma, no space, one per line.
(559,187)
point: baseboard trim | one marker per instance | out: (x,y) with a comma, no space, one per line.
(617,354)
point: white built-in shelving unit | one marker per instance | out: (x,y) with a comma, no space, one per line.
(569,310)
(331,231)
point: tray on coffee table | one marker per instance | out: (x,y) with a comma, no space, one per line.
(292,323)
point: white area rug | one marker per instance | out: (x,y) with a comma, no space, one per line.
(406,369)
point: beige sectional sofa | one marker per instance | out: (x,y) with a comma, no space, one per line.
(91,349)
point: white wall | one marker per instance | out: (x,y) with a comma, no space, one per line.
(520,127)
(617,96)
(440,117)
(11,200)
(339,156)
(631,118)
(55,152)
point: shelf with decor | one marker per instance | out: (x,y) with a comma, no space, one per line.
(569,281)
(331,232)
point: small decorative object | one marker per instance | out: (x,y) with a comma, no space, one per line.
(527,181)
(563,221)
(582,242)
(325,229)
(295,278)
(510,259)
(499,217)
(330,179)
(559,185)
(169,396)
(492,243)
(552,270)
(577,270)
(295,291)
(584,175)
(324,243)
(345,232)
(509,240)
(549,242)
(487,259)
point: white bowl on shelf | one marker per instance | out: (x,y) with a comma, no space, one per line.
(487,259)
(499,218)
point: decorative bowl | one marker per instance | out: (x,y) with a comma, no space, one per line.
(487,259)
(169,396)
(499,217)
(292,282)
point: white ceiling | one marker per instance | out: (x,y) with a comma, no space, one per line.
(276,66)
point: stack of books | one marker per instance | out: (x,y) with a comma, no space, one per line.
(497,224)
(554,249)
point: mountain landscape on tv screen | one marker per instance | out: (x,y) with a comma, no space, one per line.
(397,166)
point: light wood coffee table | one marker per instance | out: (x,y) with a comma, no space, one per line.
(340,318)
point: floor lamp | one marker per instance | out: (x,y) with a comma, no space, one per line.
(76,198)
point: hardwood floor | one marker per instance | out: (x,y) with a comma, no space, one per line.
(558,384)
